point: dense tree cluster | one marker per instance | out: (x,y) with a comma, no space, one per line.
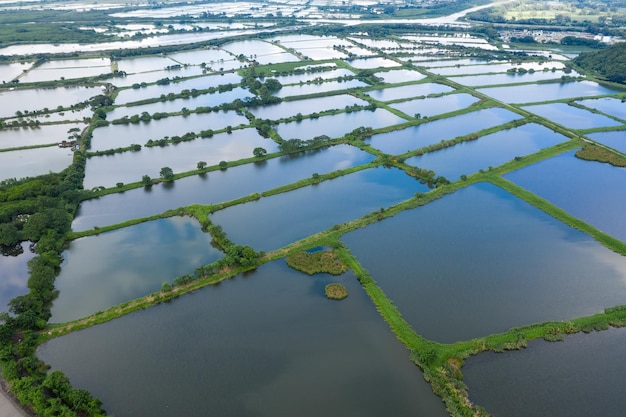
(39,210)
(609,62)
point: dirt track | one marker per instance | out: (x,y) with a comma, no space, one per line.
(8,408)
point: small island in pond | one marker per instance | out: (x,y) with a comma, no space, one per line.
(335,291)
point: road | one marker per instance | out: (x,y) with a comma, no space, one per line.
(8,407)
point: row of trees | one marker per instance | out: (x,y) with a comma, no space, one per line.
(40,210)
(299,145)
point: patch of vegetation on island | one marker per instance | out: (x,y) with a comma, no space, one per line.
(597,153)
(317,262)
(335,291)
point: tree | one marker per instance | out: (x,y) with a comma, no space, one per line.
(146,180)
(259,152)
(167,174)
(201,165)
(9,235)
(272,84)
(223,165)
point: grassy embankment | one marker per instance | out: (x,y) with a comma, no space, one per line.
(23,148)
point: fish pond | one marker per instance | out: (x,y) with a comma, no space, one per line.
(400,76)
(205,354)
(470,264)
(581,376)
(42,98)
(535,93)
(14,273)
(318,88)
(216,186)
(199,83)
(494,79)
(171,106)
(608,105)
(615,139)
(572,117)
(131,166)
(42,135)
(115,136)
(337,125)
(305,107)
(266,224)
(429,133)
(101,271)
(586,189)
(488,151)
(33,162)
(408,91)
(370,63)
(428,107)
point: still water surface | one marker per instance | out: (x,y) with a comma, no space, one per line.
(131,166)
(33,162)
(101,271)
(581,376)
(615,139)
(337,125)
(430,133)
(41,98)
(481,261)
(216,186)
(152,91)
(14,274)
(428,107)
(535,93)
(273,222)
(571,117)
(586,189)
(115,136)
(267,343)
(488,151)
(408,91)
(43,135)
(612,106)
(305,107)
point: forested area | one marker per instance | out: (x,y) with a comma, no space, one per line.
(610,63)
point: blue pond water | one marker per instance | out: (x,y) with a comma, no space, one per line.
(491,150)
(588,190)
(481,261)
(276,221)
